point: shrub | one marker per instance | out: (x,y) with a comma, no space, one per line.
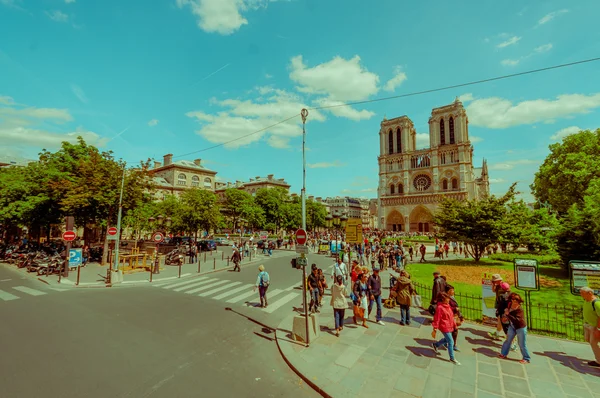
(542,258)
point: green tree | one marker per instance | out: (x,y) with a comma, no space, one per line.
(568,171)
(476,223)
(199,211)
(316,215)
(273,203)
(535,229)
(240,205)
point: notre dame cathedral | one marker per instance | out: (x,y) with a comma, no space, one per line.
(413,182)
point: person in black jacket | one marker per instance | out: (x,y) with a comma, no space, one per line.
(439,286)
(375,294)
(314,283)
(515,316)
(458,317)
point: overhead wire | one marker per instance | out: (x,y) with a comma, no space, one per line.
(433,90)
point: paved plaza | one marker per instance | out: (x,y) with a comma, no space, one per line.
(398,361)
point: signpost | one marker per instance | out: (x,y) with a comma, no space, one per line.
(75,258)
(584,273)
(112,233)
(264,235)
(301,249)
(69,236)
(157,237)
(488,298)
(527,278)
(301,237)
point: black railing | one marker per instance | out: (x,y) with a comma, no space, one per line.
(563,321)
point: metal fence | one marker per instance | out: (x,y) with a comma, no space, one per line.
(562,321)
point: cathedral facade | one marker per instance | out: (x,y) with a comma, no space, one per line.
(412,182)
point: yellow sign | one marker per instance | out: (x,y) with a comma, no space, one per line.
(354,230)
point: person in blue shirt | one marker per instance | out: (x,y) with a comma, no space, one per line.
(262,283)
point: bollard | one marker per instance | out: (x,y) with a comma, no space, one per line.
(150,273)
(228,261)
(78,272)
(199,266)
(179,270)
(214,263)
(250,256)
(222,256)
(205,256)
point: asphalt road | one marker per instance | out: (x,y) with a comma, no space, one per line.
(147,341)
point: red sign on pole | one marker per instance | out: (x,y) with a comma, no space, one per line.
(301,236)
(158,237)
(69,236)
(112,231)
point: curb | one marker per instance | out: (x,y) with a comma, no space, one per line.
(315,387)
(88,285)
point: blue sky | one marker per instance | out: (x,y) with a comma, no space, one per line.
(146,78)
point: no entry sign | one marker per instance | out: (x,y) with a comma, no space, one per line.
(301,236)
(69,236)
(158,237)
(112,231)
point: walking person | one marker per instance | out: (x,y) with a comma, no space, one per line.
(458,317)
(262,283)
(339,304)
(375,294)
(314,283)
(193,252)
(439,286)
(591,322)
(236,258)
(515,315)
(404,291)
(443,321)
(361,292)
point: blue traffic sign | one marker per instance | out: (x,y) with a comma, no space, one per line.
(75,257)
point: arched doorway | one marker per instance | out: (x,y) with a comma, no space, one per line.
(394,221)
(421,220)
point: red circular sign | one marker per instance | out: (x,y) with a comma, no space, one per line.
(112,231)
(158,237)
(69,236)
(301,236)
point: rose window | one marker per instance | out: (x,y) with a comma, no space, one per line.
(422,182)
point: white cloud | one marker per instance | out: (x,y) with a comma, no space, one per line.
(341,110)
(267,76)
(397,80)
(510,62)
(499,113)
(560,134)
(324,165)
(79,93)
(355,191)
(422,140)
(549,17)
(57,16)
(27,114)
(11,3)
(153,122)
(509,42)
(543,48)
(69,1)
(475,139)
(221,16)
(6,100)
(466,97)
(279,142)
(511,164)
(338,79)
(23,136)
(497,180)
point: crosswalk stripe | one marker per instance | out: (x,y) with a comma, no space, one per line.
(242,296)
(5,296)
(182,283)
(218,289)
(213,284)
(195,284)
(233,291)
(28,290)
(273,306)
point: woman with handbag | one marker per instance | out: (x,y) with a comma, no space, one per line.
(361,293)
(443,321)
(404,291)
(458,318)
(515,316)
(338,302)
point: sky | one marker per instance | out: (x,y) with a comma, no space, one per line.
(196,77)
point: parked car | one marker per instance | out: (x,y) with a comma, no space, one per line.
(223,242)
(207,245)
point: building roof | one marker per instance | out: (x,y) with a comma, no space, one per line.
(161,182)
(186,164)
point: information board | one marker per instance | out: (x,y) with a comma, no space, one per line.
(585,273)
(488,300)
(354,230)
(526,274)
(75,257)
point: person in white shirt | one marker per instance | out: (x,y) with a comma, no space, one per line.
(339,268)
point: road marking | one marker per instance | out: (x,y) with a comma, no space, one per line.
(30,291)
(58,289)
(7,296)
(243,296)
(230,292)
(182,283)
(292,288)
(213,284)
(221,288)
(5,280)
(200,281)
(272,307)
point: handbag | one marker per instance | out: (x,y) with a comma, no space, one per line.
(416,301)
(457,320)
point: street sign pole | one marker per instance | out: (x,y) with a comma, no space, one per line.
(118,240)
(70,221)
(304,114)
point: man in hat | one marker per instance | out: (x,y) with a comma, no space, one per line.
(439,286)
(374,286)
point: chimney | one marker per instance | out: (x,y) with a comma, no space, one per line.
(168,159)
(197,162)
(257,178)
(252,179)
(157,164)
(270,176)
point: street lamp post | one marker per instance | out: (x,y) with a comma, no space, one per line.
(304,114)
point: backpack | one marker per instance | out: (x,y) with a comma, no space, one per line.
(263,282)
